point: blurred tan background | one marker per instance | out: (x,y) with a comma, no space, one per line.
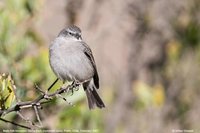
(147,54)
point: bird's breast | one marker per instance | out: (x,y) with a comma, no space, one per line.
(70,63)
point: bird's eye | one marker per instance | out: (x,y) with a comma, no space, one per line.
(70,33)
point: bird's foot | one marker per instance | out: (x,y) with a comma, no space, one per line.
(75,86)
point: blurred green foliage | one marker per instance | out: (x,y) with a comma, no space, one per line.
(147,95)
(178,89)
(16,41)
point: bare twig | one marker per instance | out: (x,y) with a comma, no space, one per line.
(14,123)
(42,92)
(25,119)
(38,100)
(38,88)
(59,95)
(37,115)
(41,99)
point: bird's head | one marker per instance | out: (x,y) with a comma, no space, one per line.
(72,32)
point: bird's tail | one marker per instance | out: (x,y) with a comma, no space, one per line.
(94,99)
(92,95)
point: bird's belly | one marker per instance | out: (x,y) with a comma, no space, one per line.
(72,66)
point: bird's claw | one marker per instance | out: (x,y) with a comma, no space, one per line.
(75,86)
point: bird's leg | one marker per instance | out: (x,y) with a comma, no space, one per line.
(72,86)
(73,83)
(75,86)
(52,84)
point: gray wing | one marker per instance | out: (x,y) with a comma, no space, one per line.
(88,53)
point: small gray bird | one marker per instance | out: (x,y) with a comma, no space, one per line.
(71,59)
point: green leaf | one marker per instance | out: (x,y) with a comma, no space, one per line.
(7,95)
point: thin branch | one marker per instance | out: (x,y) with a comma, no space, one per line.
(19,125)
(43,98)
(59,95)
(38,100)
(42,92)
(38,89)
(37,115)
(25,119)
